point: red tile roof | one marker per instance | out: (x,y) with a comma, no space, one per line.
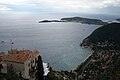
(20,56)
(2,53)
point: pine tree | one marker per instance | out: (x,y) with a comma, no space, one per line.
(40,70)
(1,67)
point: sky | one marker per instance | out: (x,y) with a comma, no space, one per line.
(60,6)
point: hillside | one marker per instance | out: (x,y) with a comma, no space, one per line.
(77,20)
(107,35)
(118,19)
(104,62)
(84,20)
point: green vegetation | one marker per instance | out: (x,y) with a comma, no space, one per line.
(40,70)
(84,20)
(110,32)
(118,19)
(106,37)
(104,63)
(60,75)
(10,75)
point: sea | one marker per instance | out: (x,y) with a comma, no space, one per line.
(57,43)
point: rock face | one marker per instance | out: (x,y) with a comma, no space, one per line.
(84,20)
(107,35)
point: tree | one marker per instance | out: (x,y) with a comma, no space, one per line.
(1,67)
(40,70)
(11,74)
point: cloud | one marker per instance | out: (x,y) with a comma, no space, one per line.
(13,2)
(59,5)
(4,8)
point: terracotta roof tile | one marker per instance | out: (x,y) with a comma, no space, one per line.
(2,53)
(20,56)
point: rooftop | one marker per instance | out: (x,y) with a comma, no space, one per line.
(20,55)
(2,53)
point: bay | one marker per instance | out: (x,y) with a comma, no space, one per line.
(58,43)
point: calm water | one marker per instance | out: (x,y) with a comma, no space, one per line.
(58,43)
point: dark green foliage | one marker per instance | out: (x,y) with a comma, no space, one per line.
(105,61)
(40,70)
(60,75)
(11,75)
(118,19)
(84,20)
(1,67)
(2,76)
(51,75)
(110,32)
(107,36)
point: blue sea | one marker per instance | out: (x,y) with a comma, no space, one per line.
(58,43)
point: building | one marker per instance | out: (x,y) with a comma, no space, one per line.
(1,54)
(24,62)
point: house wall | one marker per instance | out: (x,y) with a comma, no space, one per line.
(26,71)
(18,67)
(28,66)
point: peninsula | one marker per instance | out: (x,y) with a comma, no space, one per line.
(84,20)
(45,21)
(78,20)
(118,19)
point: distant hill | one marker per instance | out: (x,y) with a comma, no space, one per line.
(118,19)
(47,21)
(84,20)
(106,35)
(78,20)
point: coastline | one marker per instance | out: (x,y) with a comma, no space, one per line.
(105,58)
(88,55)
(81,20)
(102,64)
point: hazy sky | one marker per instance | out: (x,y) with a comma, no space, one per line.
(60,6)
